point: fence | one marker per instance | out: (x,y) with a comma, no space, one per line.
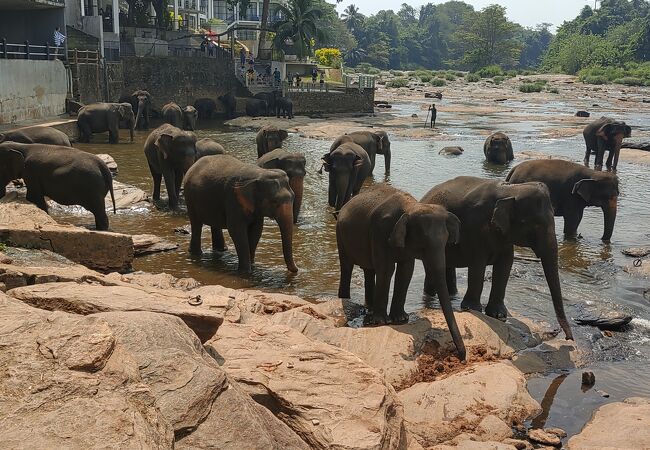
(170,49)
(27,50)
(77,56)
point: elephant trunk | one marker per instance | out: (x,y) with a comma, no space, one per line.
(140,113)
(297,186)
(435,271)
(609,214)
(550,266)
(131,124)
(343,189)
(284,218)
(387,159)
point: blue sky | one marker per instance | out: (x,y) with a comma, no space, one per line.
(526,12)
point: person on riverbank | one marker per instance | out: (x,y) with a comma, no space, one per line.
(322,80)
(242,57)
(59,39)
(276,77)
(314,76)
(434,115)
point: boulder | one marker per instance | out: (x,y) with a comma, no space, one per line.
(637,252)
(127,197)
(639,269)
(451,151)
(621,425)
(86,299)
(436,412)
(25,225)
(110,162)
(474,445)
(145,244)
(327,396)
(65,386)
(154,281)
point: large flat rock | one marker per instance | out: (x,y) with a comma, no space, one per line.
(83,298)
(617,426)
(24,225)
(327,396)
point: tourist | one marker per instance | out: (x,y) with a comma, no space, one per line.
(314,76)
(242,57)
(298,81)
(251,59)
(211,46)
(251,76)
(322,80)
(59,39)
(434,115)
(277,77)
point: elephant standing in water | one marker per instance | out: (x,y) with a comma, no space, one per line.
(602,135)
(223,192)
(184,118)
(373,142)
(348,166)
(572,187)
(498,149)
(207,146)
(384,227)
(293,164)
(37,135)
(495,217)
(66,175)
(229,103)
(269,138)
(140,101)
(102,117)
(170,153)
(205,108)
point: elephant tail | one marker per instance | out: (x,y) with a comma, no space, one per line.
(510,175)
(110,188)
(108,179)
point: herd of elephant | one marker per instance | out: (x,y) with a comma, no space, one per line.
(464,222)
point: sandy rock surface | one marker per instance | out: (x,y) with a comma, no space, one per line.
(110,162)
(145,244)
(617,426)
(127,197)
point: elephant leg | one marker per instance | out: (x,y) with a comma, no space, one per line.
(197,227)
(373,159)
(178,180)
(600,154)
(170,184)
(85,133)
(610,158)
(475,279)
(239,234)
(500,275)
(429,285)
(452,286)
(98,208)
(380,303)
(346,266)
(218,242)
(369,286)
(254,235)
(113,134)
(572,219)
(157,179)
(403,276)
(35,195)
(587,156)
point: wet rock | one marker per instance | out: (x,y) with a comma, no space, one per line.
(25,225)
(185,229)
(637,145)
(588,379)
(542,437)
(473,445)
(519,444)
(454,151)
(156,281)
(605,320)
(69,388)
(87,299)
(582,114)
(559,432)
(639,268)
(532,154)
(110,162)
(500,99)
(145,244)
(620,425)
(127,197)
(603,393)
(353,404)
(437,411)
(555,354)
(384,106)
(437,95)
(636,252)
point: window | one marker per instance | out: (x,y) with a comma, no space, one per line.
(251,12)
(220,8)
(247,35)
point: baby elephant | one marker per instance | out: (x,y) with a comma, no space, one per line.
(182,118)
(269,138)
(207,146)
(498,149)
(384,227)
(66,175)
(573,187)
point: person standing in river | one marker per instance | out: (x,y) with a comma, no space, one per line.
(434,114)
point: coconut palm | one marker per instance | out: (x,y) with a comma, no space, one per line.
(352,18)
(355,56)
(299,24)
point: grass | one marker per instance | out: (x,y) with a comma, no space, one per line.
(631,81)
(3,247)
(531,87)
(438,82)
(554,91)
(498,79)
(450,77)
(398,83)
(425,78)
(472,78)
(594,79)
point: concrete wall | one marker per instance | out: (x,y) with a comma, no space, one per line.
(31,89)
(352,101)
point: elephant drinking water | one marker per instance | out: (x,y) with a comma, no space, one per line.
(348,166)
(373,142)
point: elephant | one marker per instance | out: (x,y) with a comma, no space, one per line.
(284,106)
(170,153)
(190,116)
(452,151)
(64,174)
(172,114)
(268,138)
(230,104)
(496,216)
(348,166)
(602,135)
(498,149)
(207,146)
(293,164)
(205,107)
(140,101)
(269,98)
(573,187)
(383,227)
(256,107)
(37,135)
(373,142)
(102,117)
(224,192)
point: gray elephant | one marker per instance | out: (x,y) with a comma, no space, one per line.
(373,142)
(207,146)
(572,187)
(64,174)
(184,118)
(268,138)
(498,149)
(141,102)
(384,227)
(452,151)
(269,98)
(284,106)
(190,117)
(102,117)
(496,216)
(293,164)
(224,192)
(348,166)
(229,103)
(205,107)
(37,135)
(602,135)
(256,107)
(170,153)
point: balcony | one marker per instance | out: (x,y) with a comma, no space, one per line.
(19,5)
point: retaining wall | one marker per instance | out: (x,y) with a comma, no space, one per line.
(351,101)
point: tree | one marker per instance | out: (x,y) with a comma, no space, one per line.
(264,22)
(300,19)
(352,18)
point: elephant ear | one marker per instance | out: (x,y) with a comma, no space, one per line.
(584,188)
(453,228)
(397,237)
(244,195)
(604,131)
(628,132)
(502,215)
(163,144)
(15,163)
(358,162)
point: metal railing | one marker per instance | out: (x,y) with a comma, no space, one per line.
(164,49)
(27,50)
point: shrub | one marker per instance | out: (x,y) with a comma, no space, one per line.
(554,91)
(425,78)
(595,79)
(530,87)
(442,74)
(459,74)
(398,83)
(438,82)
(450,77)
(373,71)
(3,247)
(472,78)
(330,57)
(397,73)
(511,73)
(490,71)
(630,81)
(498,79)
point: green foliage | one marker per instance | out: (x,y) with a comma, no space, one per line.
(398,83)
(498,79)
(450,77)
(472,77)
(3,247)
(397,73)
(301,24)
(554,91)
(595,79)
(438,82)
(631,81)
(490,71)
(330,57)
(531,87)
(425,78)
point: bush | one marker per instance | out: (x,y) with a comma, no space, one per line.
(373,71)
(438,82)
(530,87)
(450,77)
(490,71)
(425,78)
(511,73)
(472,78)
(3,247)
(459,74)
(630,81)
(498,79)
(595,79)
(397,73)
(330,57)
(554,91)
(398,83)
(442,74)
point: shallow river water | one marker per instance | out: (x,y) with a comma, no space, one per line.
(591,272)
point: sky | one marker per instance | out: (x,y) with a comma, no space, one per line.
(525,12)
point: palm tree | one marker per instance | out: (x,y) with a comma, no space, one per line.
(355,56)
(299,24)
(264,23)
(352,18)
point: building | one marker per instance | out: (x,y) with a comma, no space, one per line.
(31,20)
